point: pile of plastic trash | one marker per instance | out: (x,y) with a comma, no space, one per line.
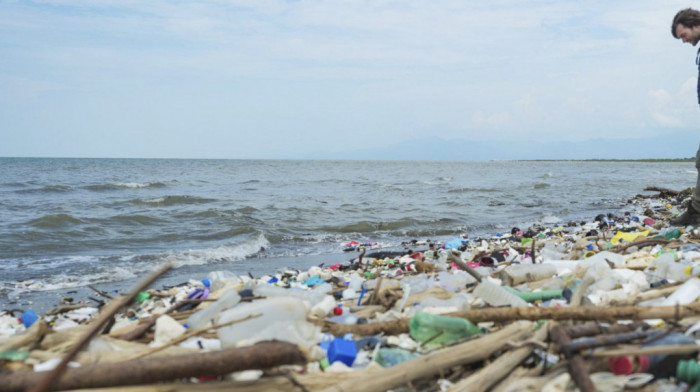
(607,305)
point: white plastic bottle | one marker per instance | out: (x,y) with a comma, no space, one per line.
(201,318)
(496,295)
(219,279)
(526,272)
(282,318)
(667,268)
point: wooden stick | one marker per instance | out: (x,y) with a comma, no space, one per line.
(634,351)
(577,368)
(191,333)
(96,326)
(262,355)
(461,264)
(488,376)
(651,294)
(597,329)
(587,313)
(431,364)
(143,328)
(100,292)
(641,243)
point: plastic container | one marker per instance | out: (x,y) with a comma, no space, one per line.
(282,318)
(202,318)
(28,318)
(530,272)
(388,357)
(496,295)
(435,330)
(342,350)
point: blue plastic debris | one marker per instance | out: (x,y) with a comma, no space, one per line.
(313,281)
(342,350)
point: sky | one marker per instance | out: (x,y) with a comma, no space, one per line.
(283,79)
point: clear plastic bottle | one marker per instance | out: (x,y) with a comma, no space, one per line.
(388,357)
(496,295)
(282,318)
(201,318)
(219,279)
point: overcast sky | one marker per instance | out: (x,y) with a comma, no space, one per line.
(275,79)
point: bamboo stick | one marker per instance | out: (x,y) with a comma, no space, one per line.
(583,313)
(96,326)
(262,355)
(577,368)
(490,375)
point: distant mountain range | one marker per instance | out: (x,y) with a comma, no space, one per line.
(670,146)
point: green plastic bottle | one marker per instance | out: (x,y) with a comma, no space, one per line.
(536,296)
(672,234)
(436,330)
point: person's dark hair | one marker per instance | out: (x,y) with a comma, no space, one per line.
(687,17)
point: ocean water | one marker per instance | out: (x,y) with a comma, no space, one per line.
(67,223)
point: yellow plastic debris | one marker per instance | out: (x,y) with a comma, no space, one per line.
(628,237)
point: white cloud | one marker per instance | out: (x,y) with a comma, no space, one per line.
(328,68)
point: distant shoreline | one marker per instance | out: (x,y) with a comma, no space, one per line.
(660,160)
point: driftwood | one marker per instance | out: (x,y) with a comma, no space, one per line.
(612,313)
(142,371)
(654,350)
(642,242)
(598,329)
(97,325)
(431,364)
(577,367)
(490,375)
(651,294)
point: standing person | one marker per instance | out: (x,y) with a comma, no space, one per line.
(686,27)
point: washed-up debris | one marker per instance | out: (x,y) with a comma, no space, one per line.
(606,305)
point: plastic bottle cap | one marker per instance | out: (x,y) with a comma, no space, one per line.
(628,365)
(337,311)
(206,282)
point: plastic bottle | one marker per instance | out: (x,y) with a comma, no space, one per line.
(459,301)
(219,279)
(388,357)
(313,296)
(201,318)
(530,272)
(496,295)
(282,318)
(533,296)
(688,292)
(437,330)
(324,307)
(667,268)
